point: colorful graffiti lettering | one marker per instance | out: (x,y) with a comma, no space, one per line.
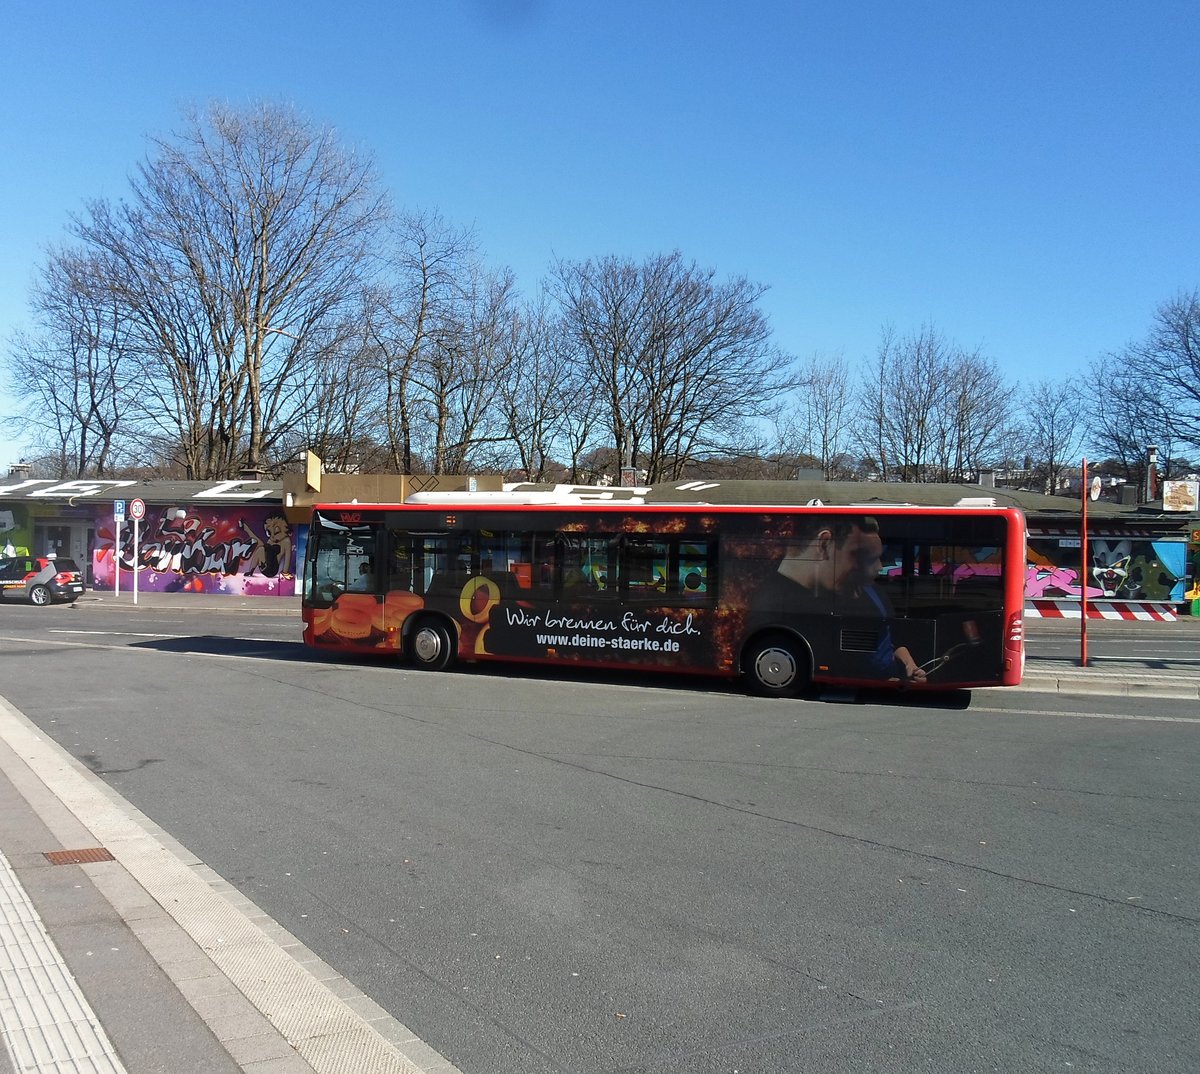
(247,551)
(968,564)
(1043,581)
(186,549)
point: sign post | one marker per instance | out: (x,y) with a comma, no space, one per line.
(137,511)
(118,518)
(1083,566)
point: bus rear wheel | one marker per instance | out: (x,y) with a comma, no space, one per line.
(431,645)
(776,666)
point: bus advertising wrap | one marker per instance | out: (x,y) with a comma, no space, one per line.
(908,599)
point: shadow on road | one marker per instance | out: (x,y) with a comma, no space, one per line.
(218,645)
(297,652)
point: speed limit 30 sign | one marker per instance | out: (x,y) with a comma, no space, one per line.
(137,509)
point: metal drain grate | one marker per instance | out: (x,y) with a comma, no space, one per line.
(77,857)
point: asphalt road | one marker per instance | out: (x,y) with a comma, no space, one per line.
(539,874)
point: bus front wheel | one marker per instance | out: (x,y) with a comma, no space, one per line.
(431,645)
(776,666)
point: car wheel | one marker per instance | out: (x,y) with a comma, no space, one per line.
(431,644)
(39,595)
(776,666)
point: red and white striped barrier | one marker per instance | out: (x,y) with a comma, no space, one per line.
(1101,609)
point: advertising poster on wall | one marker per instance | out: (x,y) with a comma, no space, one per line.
(1181,496)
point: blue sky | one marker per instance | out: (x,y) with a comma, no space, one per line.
(1022,176)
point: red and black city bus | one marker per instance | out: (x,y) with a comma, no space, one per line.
(783,595)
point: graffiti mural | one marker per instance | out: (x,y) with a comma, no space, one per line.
(244,551)
(1118,569)
(16,531)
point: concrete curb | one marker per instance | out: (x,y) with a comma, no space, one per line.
(1088,682)
(212,602)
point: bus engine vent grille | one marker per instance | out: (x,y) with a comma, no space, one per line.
(859,641)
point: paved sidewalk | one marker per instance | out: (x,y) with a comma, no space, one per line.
(121,953)
(1109,676)
(287,606)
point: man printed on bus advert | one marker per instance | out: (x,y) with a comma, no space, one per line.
(835,565)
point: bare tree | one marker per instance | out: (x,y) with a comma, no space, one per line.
(583,427)
(931,411)
(1054,413)
(1148,393)
(817,419)
(899,403)
(438,330)
(1170,359)
(536,390)
(602,310)
(72,373)
(245,236)
(50,418)
(460,369)
(973,416)
(426,263)
(679,362)
(341,421)
(1133,416)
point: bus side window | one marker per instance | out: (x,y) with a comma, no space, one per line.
(693,573)
(400,570)
(584,565)
(644,567)
(533,558)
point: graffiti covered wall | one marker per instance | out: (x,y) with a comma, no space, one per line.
(16,530)
(1119,568)
(241,551)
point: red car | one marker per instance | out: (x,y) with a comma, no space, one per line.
(40,579)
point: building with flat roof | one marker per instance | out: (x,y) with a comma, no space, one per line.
(246,536)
